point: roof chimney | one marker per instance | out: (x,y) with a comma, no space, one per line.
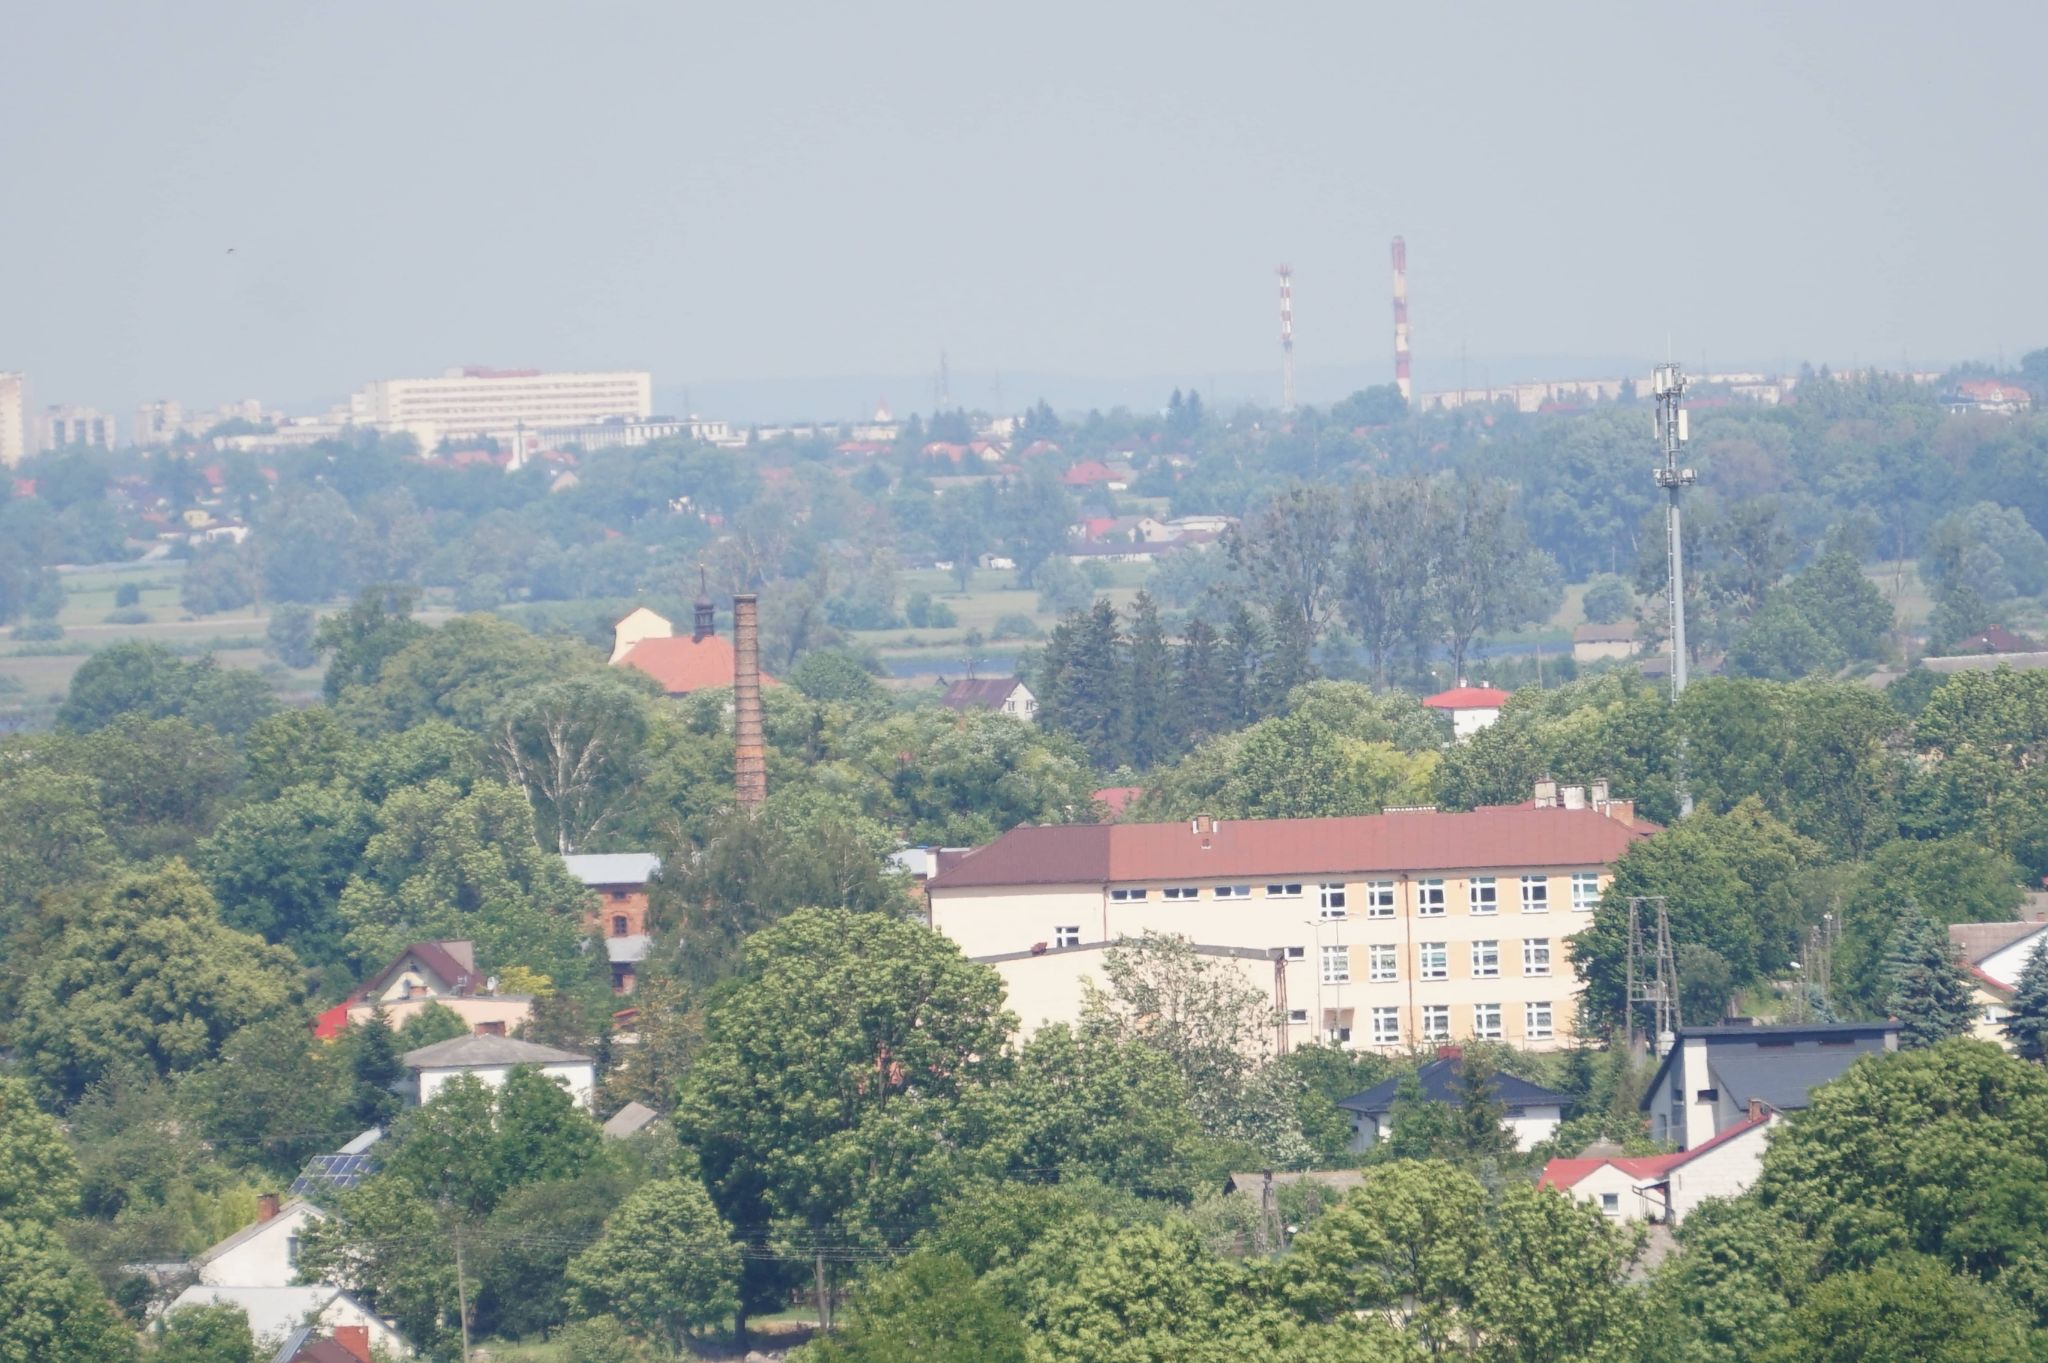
(1598,792)
(355,1339)
(266,1207)
(1546,793)
(707,614)
(750,756)
(1574,797)
(1756,1109)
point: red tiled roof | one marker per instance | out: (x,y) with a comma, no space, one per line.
(1086,472)
(1564,1173)
(1423,840)
(684,664)
(978,693)
(1116,799)
(1468,698)
(331,1023)
(453,963)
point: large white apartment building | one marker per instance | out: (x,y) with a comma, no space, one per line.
(1384,932)
(501,402)
(13,419)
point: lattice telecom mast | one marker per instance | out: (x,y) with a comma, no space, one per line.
(1652,970)
(1401,379)
(1671,438)
(1286,273)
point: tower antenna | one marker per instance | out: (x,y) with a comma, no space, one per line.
(1652,969)
(1286,273)
(1401,379)
(1669,384)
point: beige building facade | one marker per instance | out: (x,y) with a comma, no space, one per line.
(1383,932)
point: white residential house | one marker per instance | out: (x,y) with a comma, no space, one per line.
(1994,954)
(1001,695)
(1471,708)
(275,1313)
(492,1059)
(1531,1111)
(264,1253)
(1667,1188)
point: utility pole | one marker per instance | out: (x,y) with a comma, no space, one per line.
(461,1287)
(1671,437)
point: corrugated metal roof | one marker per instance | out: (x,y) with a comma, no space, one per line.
(613,868)
(487,1050)
(1431,840)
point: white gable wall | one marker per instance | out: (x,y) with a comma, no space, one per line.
(1727,1170)
(2006,963)
(265,1259)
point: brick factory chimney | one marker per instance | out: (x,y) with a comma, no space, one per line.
(750,755)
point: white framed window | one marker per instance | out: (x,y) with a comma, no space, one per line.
(1127,896)
(1536,1024)
(1610,1204)
(1433,961)
(1482,895)
(1233,892)
(1486,1021)
(1295,953)
(1429,898)
(1289,891)
(1436,1022)
(1536,956)
(1585,891)
(1383,962)
(1336,965)
(1179,892)
(1379,899)
(1066,937)
(1330,896)
(1297,1017)
(1386,1026)
(1485,960)
(1535,894)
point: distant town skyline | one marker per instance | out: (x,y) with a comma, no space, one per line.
(290,202)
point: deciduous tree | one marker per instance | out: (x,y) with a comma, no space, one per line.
(665,1266)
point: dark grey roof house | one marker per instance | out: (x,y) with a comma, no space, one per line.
(1709,1077)
(1532,1111)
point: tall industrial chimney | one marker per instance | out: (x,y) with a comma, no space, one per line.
(1401,379)
(1286,273)
(750,756)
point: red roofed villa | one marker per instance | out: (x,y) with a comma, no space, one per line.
(1471,708)
(1665,1188)
(700,661)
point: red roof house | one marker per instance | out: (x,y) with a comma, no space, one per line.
(1088,473)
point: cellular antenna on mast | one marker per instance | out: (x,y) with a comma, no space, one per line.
(1669,385)
(1286,273)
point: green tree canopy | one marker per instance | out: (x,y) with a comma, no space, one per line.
(145,972)
(665,1266)
(38,1173)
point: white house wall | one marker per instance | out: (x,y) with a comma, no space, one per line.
(1727,1170)
(265,1258)
(579,1078)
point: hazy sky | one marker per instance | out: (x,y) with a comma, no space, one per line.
(762,191)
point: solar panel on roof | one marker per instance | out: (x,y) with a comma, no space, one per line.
(327,1173)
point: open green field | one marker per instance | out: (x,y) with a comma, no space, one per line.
(992,594)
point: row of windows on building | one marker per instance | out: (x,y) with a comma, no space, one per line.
(1539,1023)
(1383,959)
(1432,896)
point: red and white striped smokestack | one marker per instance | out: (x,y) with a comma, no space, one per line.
(1286,273)
(750,753)
(1401,379)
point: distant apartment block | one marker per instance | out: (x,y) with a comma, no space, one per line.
(13,418)
(60,427)
(1377,932)
(167,419)
(501,402)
